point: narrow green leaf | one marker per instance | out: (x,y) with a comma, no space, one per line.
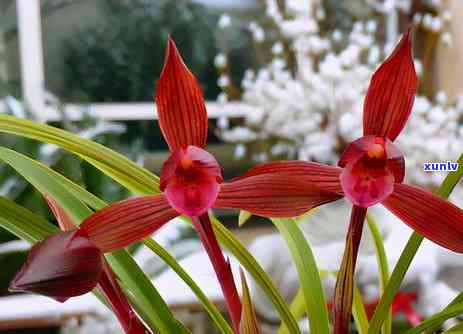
(358,312)
(383,266)
(407,256)
(210,308)
(308,273)
(229,241)
(24,223)
(437,319)
(135,280)
(458,299)
(108,161)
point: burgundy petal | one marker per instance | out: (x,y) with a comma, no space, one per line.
(221,266)
(433,217)
(190,179)
(274,195)
(324,176)
(120,224)
(61,266)
(391,93)
(343,295)
(180,103)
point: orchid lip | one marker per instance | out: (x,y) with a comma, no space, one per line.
(371,167)
(190,179)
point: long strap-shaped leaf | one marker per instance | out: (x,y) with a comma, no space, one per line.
(406,258)
(383,267)
(308,273)
(151,302)
(116,166)
(128,173)
(437,319)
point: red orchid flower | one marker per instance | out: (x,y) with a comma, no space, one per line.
(371,170)
(68,264)
(191,181)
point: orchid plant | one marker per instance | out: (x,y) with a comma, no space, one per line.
(89,252)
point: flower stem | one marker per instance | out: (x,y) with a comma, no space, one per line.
(343,295)
(221,266)
(109,286)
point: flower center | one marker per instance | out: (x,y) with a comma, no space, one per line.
(190,179)
(371,167)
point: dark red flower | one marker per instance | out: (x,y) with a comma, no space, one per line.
(61,266)
(371,170)
(68,264)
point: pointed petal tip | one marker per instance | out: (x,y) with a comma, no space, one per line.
(180,102)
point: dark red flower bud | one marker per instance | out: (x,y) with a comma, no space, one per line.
(63,265)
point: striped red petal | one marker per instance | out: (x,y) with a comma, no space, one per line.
(391,93)
(180,103)
(122,223)
(324,176)
(64,220)
(343,295)
(61,266)
(431,216)
(274,195)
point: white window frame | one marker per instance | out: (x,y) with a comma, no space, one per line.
(33,81)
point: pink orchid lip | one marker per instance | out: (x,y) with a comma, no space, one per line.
(371,167)
(190,179)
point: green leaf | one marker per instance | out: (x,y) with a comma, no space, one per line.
(24,223)
(358,312)
(437,319)
(150,301)
(115,165)
(407,256)
(210,308)
(383,267)
(230,242)
(308,273)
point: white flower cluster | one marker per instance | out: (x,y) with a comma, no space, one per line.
(314,111)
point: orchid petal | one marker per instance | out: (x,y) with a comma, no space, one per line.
(431,216)
(391,93)
(61,266)
(180,103)
(64,220)
(324,176)
(343,296)
(273,195)
(120,224)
